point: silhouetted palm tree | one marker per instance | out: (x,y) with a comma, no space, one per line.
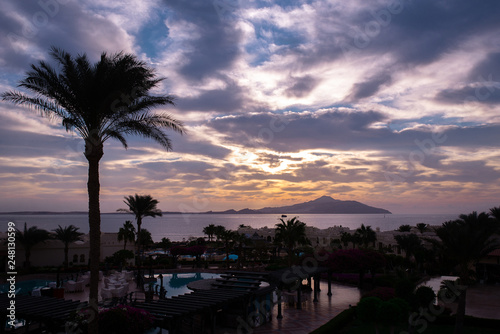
(366,235)
(227,237)
(495,213)
(30,237)
(67,235)
(108,99)
(422,227)
(209,231)
(141,206)
(410,243)
(126,233)
(465,241)
(291,234)
(345,238)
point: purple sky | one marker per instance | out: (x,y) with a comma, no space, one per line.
(395,104)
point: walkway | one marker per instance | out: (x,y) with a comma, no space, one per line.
(312,315)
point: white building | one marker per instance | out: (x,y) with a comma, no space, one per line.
(51,252)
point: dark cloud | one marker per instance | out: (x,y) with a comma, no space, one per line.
(346,131)
(485,93)
(230,99)
(369,87)
(301,87)
(419,32)
(217,47)
(65,25)
(487,70)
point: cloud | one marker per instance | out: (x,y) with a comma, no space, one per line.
(369,87)
(301,86)
(216,46)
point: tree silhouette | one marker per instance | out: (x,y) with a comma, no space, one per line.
(30,237)
(141,206)
(366,235)
(465,241)
(67,235)
(209,231)
(422,227)
(126,233)
(108,99)
(291,234)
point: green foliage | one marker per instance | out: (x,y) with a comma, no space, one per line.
(367,309)
(424,296)
(404,289)
(337,323)
(388,313)
(124,319)
(404,228)
(120,257)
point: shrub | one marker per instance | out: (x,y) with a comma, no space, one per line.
(381,292)
(424,296)
(337,323)
(367,309)
(124,319)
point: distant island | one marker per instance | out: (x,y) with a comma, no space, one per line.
(324,204)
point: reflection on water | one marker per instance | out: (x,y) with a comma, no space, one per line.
(435,282)
(176,284)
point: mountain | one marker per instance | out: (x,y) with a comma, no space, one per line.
(324,204)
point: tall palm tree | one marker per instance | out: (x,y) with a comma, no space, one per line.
(141,206)
(291,234)
(366,235)
(126,233)
(67,235)
(465,241)
(108,99)
(30,237)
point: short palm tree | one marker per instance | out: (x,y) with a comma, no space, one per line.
(291,234)
(366,235)
(422,227)
(209,231)
(465,241)
(30,237)
(410,243)
(141,206)
(126,233)
(67,235)
(108,99)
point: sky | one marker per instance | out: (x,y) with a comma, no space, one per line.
(395,104)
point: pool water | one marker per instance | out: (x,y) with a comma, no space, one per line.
(176,284)
(24,287)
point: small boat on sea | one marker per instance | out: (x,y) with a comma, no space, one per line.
(283,216)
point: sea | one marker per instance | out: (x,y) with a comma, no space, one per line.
(179,227)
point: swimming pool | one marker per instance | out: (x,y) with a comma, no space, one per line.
(176,284)
(24,287)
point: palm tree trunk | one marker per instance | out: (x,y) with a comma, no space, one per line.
(139,223)
(93,155)
(66,249)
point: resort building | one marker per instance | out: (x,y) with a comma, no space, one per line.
(51,252)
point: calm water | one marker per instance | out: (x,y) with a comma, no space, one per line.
(179,226)
(176,284)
